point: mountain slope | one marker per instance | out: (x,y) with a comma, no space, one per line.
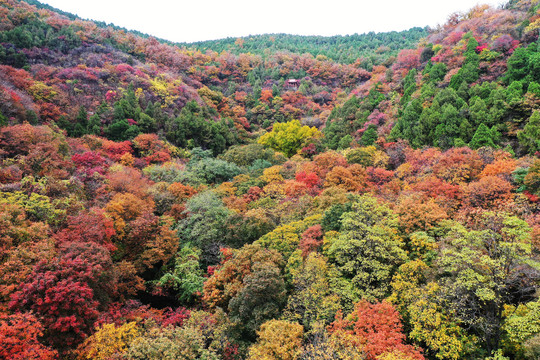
(375,47)
(167,202)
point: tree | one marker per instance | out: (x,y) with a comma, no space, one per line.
(88,226)
(289,137)
(376,329)
(486,270)
(261,298)
(212,171)
(404,127)
(368,250)
(331,220)
(81,126)
(529,137)
(192,129)
(18,263)
(121,130)
(366,156)
(228,278)
(186,278)
(125,208)
(518,63)
(418,214)
(353,178)
(489,192)
(482,137)
(315,297)
(284,239)
(479,112)
(370,135)
(246,155)
(522,325)
(127,107)
(437,72)
(109,340)
(205,225)
(449,128)
(532,179)
(151,242)
(311,240)
(171,343)
(426,316)
(19,336)
(278,339)
(60,296)
(325,162)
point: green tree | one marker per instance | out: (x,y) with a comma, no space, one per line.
(534,88)
(409,86)
(121,130)
(146,123)
(261,298)
(186,277)
(127,107)
(449,129)
(315,296)
(485,270)
(212,171)
(94,125)
(478,111)
(518,63)
(194,127)
(204,225)
(529,137)
(368,250)
(438,72)
(345,142)
(522,325)
(370,135)
(82,117)
(482,137)
(331,220)
(246,155)
(407,123)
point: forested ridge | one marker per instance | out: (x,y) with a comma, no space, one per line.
(371,48)
(273,196)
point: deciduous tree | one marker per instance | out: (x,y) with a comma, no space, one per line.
(289,137)
(278,339)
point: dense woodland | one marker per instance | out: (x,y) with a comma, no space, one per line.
(190,201)
(372,48)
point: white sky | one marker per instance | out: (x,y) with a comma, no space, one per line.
(195,20)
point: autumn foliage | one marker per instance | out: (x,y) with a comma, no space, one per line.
(246,199)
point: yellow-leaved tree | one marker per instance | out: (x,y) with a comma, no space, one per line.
(278,339)
(109,340)
(289,137)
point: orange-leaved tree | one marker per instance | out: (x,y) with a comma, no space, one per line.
(376,329)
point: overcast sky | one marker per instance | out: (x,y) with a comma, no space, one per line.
(195,20)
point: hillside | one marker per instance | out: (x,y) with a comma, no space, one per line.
(270,197)
(372,48)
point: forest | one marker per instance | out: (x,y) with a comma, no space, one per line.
(372,48)
(372,196)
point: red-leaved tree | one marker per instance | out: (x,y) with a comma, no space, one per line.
(19,335)
(376,329)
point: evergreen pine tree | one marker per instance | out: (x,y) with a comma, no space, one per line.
(82,117)
(529,137)
(370,135)
(482,137)
(94,125)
